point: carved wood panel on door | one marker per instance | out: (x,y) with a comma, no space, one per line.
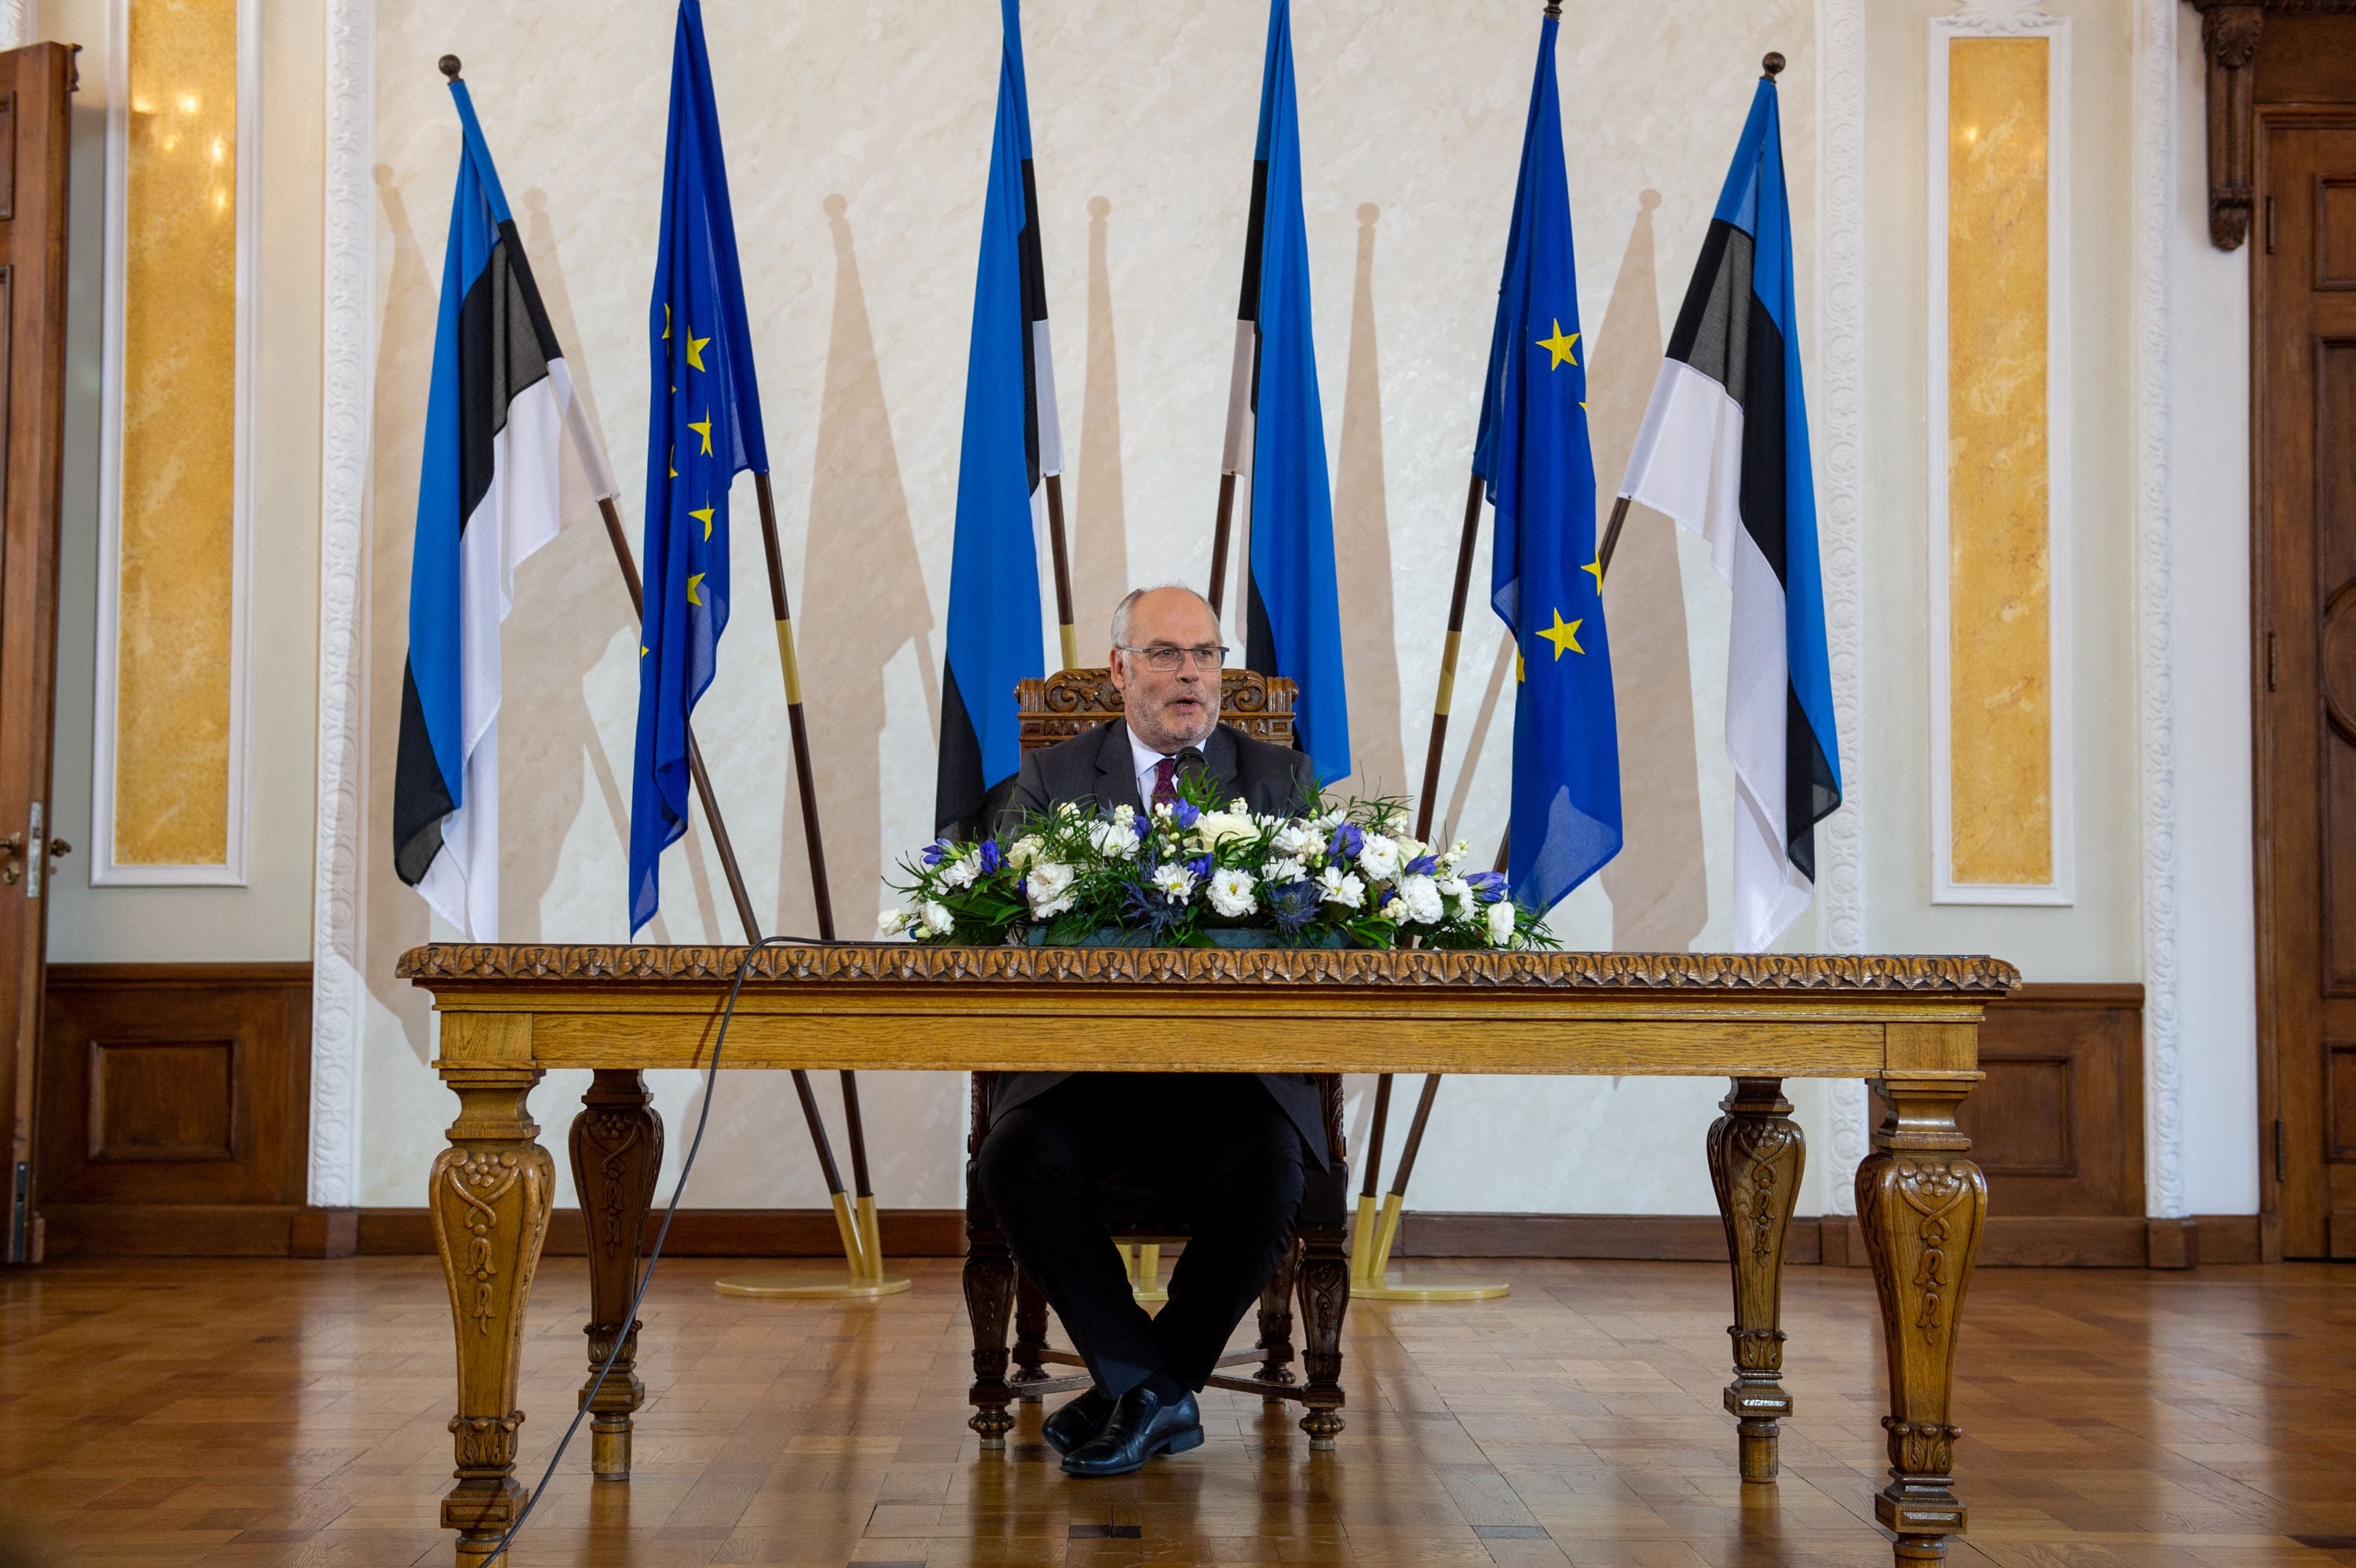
(2304,479)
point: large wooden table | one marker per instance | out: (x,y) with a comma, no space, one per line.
(1908,1026)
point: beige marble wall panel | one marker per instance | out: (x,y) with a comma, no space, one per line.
(1999,534)
(179,421)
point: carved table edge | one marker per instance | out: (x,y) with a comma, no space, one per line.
(905,962)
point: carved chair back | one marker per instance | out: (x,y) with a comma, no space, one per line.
(1072,701)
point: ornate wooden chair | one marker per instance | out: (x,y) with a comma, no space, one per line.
(1055,708)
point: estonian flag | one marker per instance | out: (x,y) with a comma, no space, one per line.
(1545,582)
(1012,440)
(703,428)
(1724,450)
(487,498)
(1294,614)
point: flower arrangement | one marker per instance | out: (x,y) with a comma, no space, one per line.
(1174,874)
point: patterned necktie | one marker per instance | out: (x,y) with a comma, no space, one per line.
(1165,782)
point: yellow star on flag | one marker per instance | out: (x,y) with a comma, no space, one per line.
(694,588)
(1563,636)
(695,349)
(703,516)
(666,321)
(703,429)
(1560,347)
(674,461)
(1596,566)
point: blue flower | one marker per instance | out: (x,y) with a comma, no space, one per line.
(1346,843)
(1144,908)
(1185,813)
(990,859)
(1200,865)
(1292,905)
(1487,886)
(936,851)
(1423,866)
(1387,894)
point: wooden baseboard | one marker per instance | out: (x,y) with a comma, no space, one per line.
(707,1233)
(1653,1238)
(268,1231)
(199,1230)
(2010,1241)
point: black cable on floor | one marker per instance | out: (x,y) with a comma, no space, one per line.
(711,1079)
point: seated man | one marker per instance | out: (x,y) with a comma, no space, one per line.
(1230,1147)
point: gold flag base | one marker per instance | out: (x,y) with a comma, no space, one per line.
(1143,1261)
(1371,1238)
(862,1251)
(1398,1288)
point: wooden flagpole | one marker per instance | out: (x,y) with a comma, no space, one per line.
(859,1282)
(1066,630)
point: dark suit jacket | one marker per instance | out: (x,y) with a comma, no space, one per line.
(1098,768)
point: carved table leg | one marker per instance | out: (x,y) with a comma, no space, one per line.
(1276,1322)
(488,1196)
(1921,1205)
(1030,1336)
(989,1302)
(1324,1299)
(1756,1155)
(618,1141)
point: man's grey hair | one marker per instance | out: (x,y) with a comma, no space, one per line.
(1121,611)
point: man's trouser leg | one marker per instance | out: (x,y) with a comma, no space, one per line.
(1242,1204)
(1039,1168)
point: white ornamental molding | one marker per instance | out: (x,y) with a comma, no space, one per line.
(2154,176)
(1841,513)
(349,244)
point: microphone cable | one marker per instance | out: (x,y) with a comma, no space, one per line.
(711,1081)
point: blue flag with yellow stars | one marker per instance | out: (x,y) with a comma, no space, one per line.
(703,428)
(1545,580)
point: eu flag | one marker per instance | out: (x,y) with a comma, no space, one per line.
(703,428)
(1294,626)
(1545,580)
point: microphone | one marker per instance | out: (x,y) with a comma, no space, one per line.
(1191,763)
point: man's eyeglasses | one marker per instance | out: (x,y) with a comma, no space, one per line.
(1162,657)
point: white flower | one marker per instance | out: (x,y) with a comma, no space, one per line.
(1341,887)
(1420,897)
(1379,857)
(1231,894)
(1455,856)
(1026,849)
(1409,848)
(1069,809)
(1299,840)
(1117,839)
(1501,923)
(1048,886)
(1214,828)
(937,921)
(1125,815)
(892,922)
(1464,906)
(962,871)
(1279,872)
(1176,882)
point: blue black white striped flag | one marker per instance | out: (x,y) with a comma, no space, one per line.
(1013,442)
(487,496)
(1724,450)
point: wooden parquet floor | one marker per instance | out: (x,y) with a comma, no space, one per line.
(158,1412)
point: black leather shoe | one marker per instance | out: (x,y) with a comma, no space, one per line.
(1078,1421)
(1140,1427)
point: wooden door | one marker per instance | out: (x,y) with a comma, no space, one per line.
(2303,412)
(36,90)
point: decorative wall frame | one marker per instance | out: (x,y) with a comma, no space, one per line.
(106,868)
(1987,19)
